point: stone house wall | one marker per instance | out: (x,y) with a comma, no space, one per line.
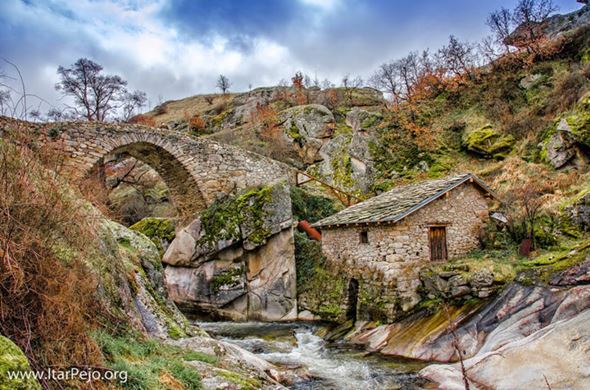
(388,265)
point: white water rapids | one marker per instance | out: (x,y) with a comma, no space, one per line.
(330,366)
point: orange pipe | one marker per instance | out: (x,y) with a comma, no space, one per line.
(311,232)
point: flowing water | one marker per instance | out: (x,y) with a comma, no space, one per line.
(330,365)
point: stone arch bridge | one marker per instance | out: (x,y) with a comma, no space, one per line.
(195,170)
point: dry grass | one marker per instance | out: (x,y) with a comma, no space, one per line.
(47,303)
(194,105)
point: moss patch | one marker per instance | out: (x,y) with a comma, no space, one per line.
(149,363)
(14,360)
(228,278)
(158,230)
(233,217)
(488,142)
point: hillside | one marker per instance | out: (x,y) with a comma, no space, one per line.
(502,121)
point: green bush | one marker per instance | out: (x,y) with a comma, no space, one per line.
(309,207)
(308,257)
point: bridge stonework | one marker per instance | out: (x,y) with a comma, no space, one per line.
(196,170)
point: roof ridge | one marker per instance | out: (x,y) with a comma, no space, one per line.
(399,202)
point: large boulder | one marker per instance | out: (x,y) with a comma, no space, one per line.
(237,259)
(135,278)
(562,147)
(488,142)
(13,361)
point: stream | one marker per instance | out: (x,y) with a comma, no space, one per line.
(330,365)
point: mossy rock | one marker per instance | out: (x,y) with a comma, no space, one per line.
(160,230)
(489,142)
(579,122)
(13,360)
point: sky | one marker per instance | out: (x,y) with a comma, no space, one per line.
(177,48)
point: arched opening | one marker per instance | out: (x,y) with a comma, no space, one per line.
(353,294)
(143,164)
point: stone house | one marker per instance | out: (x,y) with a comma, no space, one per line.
(381,244)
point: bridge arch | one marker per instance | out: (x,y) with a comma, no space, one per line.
(195,170)
(182,186)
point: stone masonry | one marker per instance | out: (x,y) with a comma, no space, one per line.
(195,170)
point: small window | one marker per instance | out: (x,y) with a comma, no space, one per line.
(364,237)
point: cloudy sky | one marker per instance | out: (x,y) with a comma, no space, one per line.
(176,48)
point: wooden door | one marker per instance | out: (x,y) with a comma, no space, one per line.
(438,243)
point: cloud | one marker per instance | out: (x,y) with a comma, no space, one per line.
(176,48)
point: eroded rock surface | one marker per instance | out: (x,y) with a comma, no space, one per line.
(556,356)
(515,314)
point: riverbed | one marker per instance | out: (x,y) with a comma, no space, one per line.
(327,365)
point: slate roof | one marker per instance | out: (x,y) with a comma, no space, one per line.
(394,205)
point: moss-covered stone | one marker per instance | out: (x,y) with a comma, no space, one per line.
(227,278)
(489,142)
(13,360)
(160,230)
(579,122)
(240,217)
(325,294)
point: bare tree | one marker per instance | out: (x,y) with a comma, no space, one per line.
(528,15)
(489,49)
(458,57)
(223,84)
(521,27)
(398,78)
(95,94)
(500,22)
(132,101)
(327,84)
(350,84)
(386,80)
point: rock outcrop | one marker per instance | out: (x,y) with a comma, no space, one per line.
(308,128)
(556,356)
(237,260)
(132,275)
(482,327)
(488,142)
(579,213)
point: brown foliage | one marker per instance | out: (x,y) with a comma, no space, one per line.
(267,117)
(299,96)
(143,120)
(47,301)
(197,123)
